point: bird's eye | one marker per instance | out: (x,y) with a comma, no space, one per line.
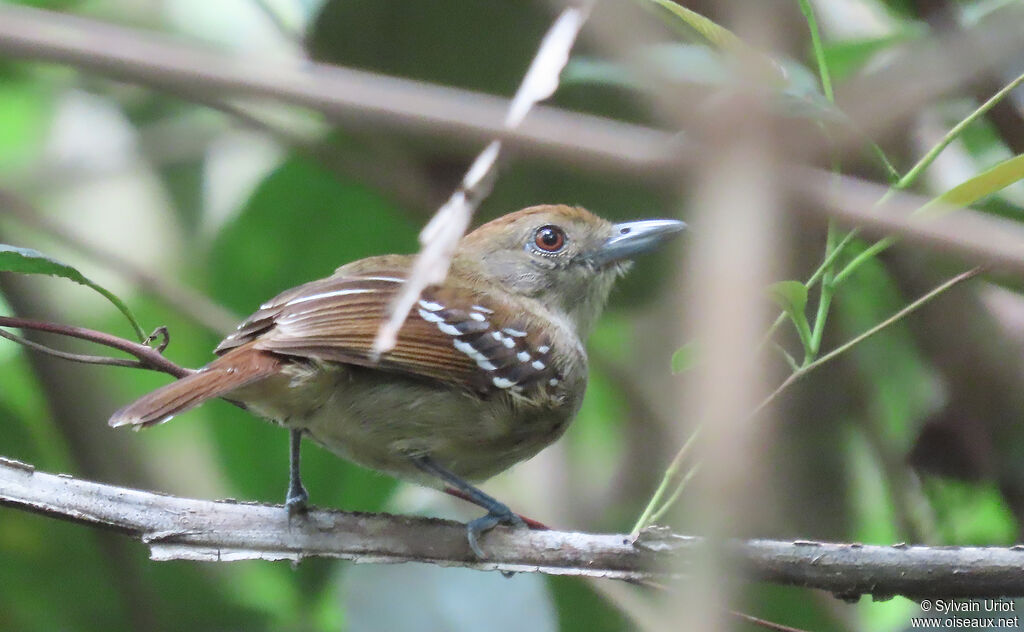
(549,238)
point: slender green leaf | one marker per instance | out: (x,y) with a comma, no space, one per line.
(720,36)
(985,183)
(29,261)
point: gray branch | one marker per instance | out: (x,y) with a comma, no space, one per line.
(201,530)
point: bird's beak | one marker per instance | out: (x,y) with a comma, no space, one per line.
(632,238)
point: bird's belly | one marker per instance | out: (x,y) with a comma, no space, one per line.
(380,421)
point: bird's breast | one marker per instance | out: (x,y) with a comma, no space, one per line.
(379,419)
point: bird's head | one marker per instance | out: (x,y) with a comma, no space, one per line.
(565,257)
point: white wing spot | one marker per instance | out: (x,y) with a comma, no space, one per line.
(313,297)
(431,306)
(537,364)
(448,329)
(514,332)
(480,359)
(508,342)
(477,317)
(481,308)
(553,381)
(430,317)
(523,356)
(543,349)
(497,335)
(439,321)
(502,382)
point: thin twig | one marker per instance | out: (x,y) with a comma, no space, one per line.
(764,623)
(645,519)
(671,500)
(71,357)
(149,358)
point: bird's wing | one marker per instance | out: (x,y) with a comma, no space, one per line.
(453,334)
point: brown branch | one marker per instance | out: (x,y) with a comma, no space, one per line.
(163,63)
(188,70)
(148,357)
(71,357)
(223,531)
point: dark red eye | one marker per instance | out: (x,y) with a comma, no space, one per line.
(549,238)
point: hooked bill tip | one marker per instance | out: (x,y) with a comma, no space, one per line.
(632,238)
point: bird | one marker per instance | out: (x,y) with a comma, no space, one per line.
(489,367)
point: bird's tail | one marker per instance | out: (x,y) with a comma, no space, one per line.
(237,368)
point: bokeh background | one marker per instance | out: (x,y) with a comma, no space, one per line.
(195,213)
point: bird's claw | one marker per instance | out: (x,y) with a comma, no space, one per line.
(483,524)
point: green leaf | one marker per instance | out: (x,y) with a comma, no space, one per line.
(986,183)
(791,296)
(684,358)
(29,261)
(720,36)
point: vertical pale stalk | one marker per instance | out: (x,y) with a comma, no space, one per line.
(731,260)
(735,212)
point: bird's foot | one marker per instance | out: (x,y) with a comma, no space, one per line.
(499,514)
(297,500)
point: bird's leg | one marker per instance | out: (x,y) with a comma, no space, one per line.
(497,512)
(295,501)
